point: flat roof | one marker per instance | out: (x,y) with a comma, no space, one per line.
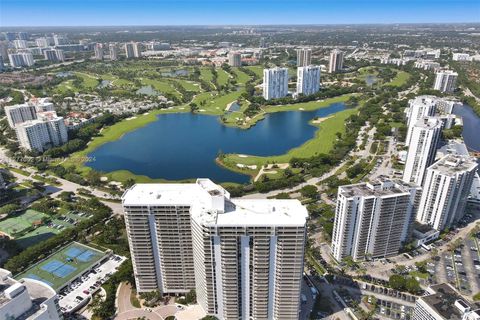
(253,212)
(452,164)
(443,301)
(210,203)
(160,194)
(376,188)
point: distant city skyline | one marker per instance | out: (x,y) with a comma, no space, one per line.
(233,12)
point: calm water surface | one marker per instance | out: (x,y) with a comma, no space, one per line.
(471,126)
(185,145)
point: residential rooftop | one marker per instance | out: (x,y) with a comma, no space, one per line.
(379,187)
(443,299)
(452,164)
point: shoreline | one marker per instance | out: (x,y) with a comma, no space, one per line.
(118,130)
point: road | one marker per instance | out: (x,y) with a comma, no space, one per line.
(64,185)
(361,153)
(127,311)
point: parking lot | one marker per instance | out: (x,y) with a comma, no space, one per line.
(79,292)
(461,268)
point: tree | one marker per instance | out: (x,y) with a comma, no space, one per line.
(9,209)
(412,285)
(397,282)
(309,192)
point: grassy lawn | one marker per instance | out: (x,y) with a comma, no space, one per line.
(217,105)
(206,74)
(223,77)
(188,85)
(242,77)
(321,143)
(400,79)
(89,81)
(161,86)
(257,69)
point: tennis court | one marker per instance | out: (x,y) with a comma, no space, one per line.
(21,222)
(64,265)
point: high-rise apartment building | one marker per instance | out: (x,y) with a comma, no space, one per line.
(113,51)
(98,49)
(246,255)
(336,61)
(235,59)
(27,111)
(27,299)
(22,36)
(20,113)
(308,80)
(443,302)
(20,44)
(373,219)
(4,50)
(418,108)
(304,57)
(10,36)
(133,50)
(59,40)
(47,131)
(137,49)
(22,59)
(445,81)
(54,55)
(42,42)
(422,149)
(275,83)
(447,185)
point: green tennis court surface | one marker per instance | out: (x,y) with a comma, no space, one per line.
(21,222)
(64,265)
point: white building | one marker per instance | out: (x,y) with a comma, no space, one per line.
(113,51)
(20,44)
(443,302)
(308,80)
(133,50)
(137,49)
(235,59)
(27,299)
(304,57)
(98,49)
(422,148)
(246,255)
(461,57)
(447,185)
(445,81)
(42,42)
(20,113)
(22,59)
(373,219)
(54,55)
(336,61)
(418,108)
(59,40)
(275,83)
(47,131)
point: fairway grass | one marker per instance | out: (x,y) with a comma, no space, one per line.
(322,142)
(400,79)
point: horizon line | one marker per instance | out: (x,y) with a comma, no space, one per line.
(248,25)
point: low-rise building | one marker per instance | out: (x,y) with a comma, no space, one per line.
(27,299)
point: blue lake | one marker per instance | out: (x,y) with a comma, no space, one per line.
(471,126)
(184,145)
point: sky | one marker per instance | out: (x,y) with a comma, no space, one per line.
(232,12)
